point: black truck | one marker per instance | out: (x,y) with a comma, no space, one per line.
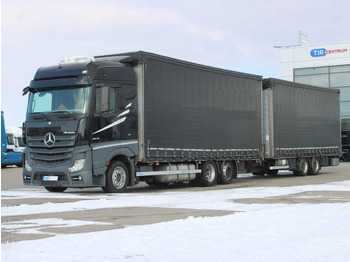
(112,121)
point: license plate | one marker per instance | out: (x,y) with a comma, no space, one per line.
(50,178)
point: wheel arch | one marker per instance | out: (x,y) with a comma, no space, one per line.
(124,155)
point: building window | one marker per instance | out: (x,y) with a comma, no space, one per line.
(336,77)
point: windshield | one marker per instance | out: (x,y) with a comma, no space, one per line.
(74,100)
(20,142)
(10,139)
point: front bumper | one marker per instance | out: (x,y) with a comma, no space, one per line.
(64,178)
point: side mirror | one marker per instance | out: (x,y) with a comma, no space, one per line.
(24,133)
(25,90)
(104,103)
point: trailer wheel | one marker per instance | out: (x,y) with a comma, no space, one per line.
(117,178)
(227,173)
(303,168)
(56,189)
(208,175)
(315,166)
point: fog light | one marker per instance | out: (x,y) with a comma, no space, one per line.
(77,178)
(27,177)
(78,164)
(27,166)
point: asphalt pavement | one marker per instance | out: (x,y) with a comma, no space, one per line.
(11,180)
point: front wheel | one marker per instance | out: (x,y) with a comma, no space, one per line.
(117,178)
(56,189)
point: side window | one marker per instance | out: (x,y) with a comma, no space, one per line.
(119,122)
(112,101)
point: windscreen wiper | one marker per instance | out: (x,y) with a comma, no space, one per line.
(64,111)
(41,115)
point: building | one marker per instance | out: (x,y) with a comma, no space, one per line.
(326,65)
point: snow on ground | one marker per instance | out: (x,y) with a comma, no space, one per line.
(263,232)
(213,199)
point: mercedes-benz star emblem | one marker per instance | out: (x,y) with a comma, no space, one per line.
(49,139)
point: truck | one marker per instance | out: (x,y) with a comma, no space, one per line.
(9,156)
(345,126)
(112,121)
(14,139)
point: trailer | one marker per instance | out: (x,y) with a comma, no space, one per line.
(8,154)
(112,121)
(301,127)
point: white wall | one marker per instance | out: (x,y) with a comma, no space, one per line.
(300,57)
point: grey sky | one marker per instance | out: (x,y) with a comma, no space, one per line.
(236,35)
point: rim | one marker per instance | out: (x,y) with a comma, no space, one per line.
(227,171)
(210,173)
(118,177)
(316,165)
(305,166)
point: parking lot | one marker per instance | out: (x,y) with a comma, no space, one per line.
(15,194)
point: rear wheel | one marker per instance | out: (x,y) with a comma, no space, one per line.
(303,168)
(56,189)
(315,166)
(208,174)
(227,173)
(117,178)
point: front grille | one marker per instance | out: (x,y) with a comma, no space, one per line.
(60,141)
(51,156)
(60,153)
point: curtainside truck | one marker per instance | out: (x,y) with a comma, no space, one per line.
(112,121)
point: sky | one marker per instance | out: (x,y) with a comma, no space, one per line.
(230,34)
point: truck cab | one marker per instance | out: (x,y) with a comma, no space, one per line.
(76,111)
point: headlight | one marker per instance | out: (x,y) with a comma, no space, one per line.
(78,164)
(27,166)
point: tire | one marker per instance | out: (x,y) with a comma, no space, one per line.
(260,173)
(227,173)
(208,175)
(193,182)
(303,168)
(117,178)
(56,189)
(272,172)
(315,166)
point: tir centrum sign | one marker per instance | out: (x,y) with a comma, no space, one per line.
(323,51)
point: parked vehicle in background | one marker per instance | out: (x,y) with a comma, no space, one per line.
(346,139)
(112,121)
(14,139)
(10,147)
